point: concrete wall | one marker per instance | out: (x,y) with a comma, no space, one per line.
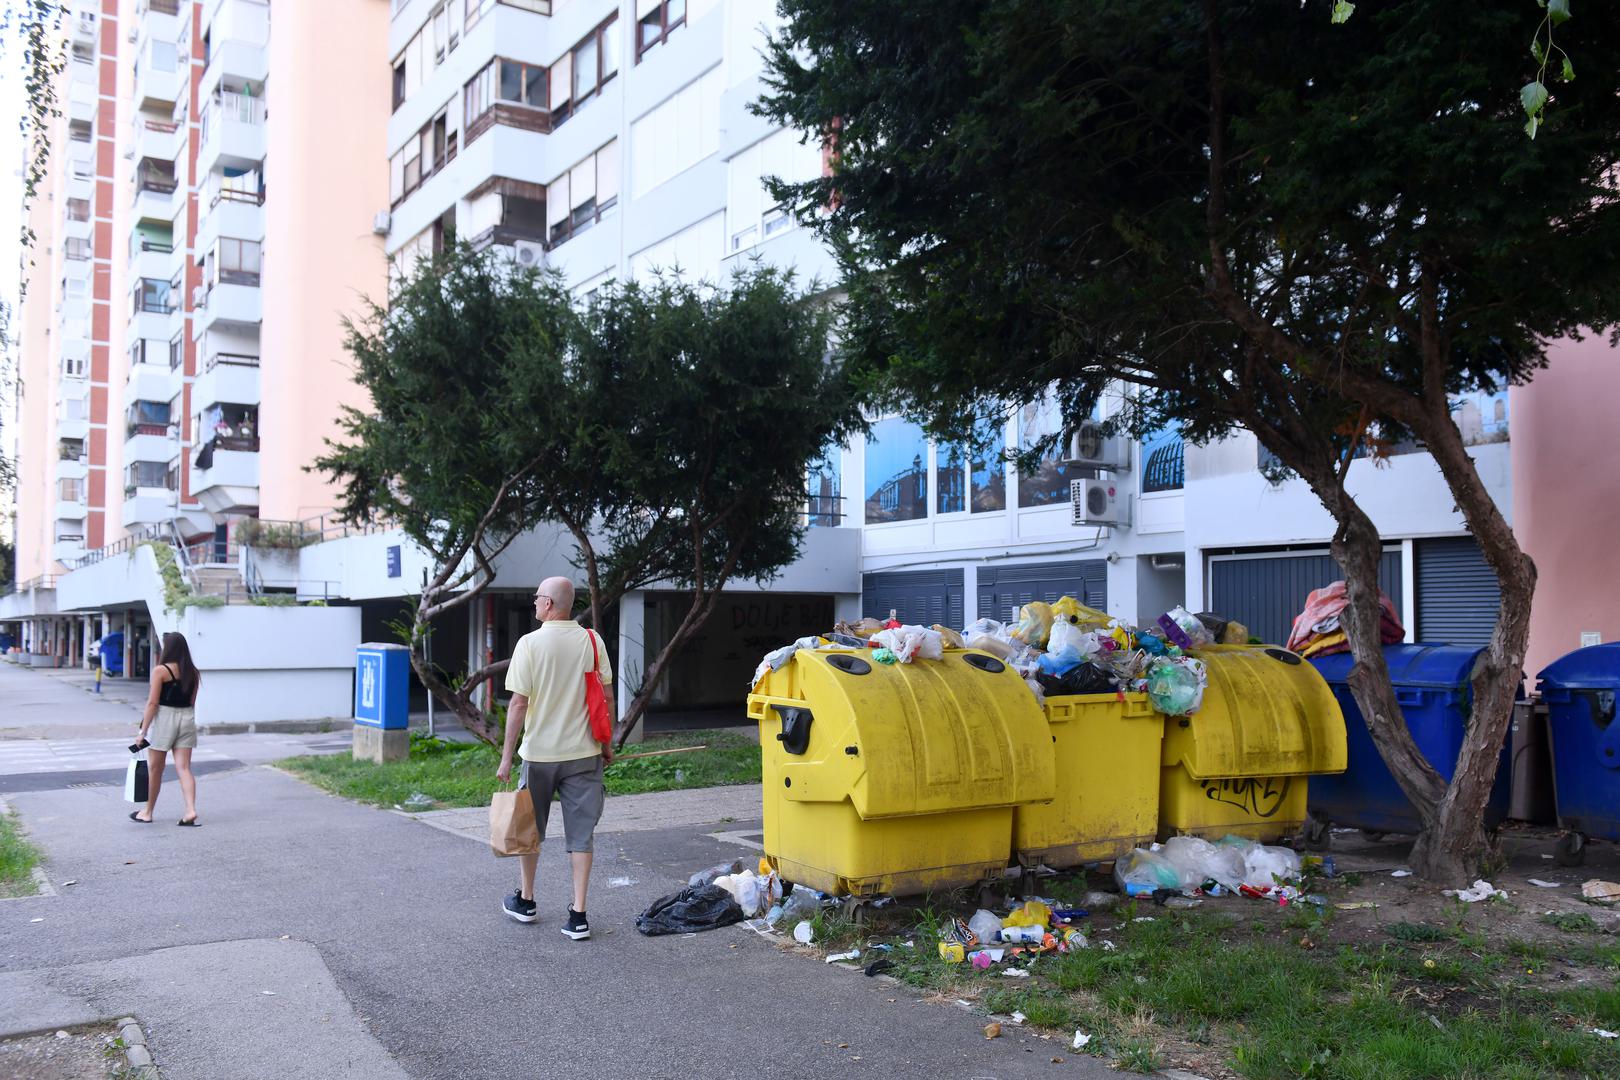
(328,166)
(263,663)
(1566,504)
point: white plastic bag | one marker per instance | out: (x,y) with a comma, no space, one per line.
(989,636)
(1143,871)
(985,926)
(1198,861)
(909,643)
(1264,865)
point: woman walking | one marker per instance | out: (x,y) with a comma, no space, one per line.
(171,726)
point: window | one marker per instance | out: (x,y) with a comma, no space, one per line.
(974,477)
(239,262)
(578,198)
(76,248)
(147,418)
(679,133)
(152,294)
(1048,485)
(71,489)
(78,209)
(754,213)
(399,84)
(79,130)
(695,250)
(137,352)
(164,56)
(177,352)
(825,490)
(440,21)
(70,449)
(655,21)
(584,70)
(73,367)
(896,472)
(477,9)
(147,474)
(423,154)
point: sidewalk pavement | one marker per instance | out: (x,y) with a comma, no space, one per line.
(623,813)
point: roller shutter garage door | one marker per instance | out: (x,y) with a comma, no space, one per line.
(1457,595)
(918,597)
(1265,592)
(1005,589)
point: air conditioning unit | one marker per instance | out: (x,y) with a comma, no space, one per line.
(528,252)
(1088,446)
(1099,502)
(381,222)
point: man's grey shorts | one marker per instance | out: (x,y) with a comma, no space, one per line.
(578,784)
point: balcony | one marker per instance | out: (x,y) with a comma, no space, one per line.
(153,382)
(157,199)
(68,548)
(160,140)
(236,215)
(82,100)
(152,259)
(234,61)
(228,305)
(78,428)
(226,377)
(70,510)
(82,68)
(230,482)
(149,442)
(236,20)
(156,20)
(232,132)
(76,467)
(82,26)
(146,506)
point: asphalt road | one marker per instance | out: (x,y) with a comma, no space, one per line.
(301,935)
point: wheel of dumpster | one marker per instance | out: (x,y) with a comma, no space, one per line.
(1317,834)
(1571,849)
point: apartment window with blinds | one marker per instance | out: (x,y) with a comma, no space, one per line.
(76,248)
(78,209)
(581,72)
(580,197)
(71,490)
(423,154)
(506,92)
(655,21)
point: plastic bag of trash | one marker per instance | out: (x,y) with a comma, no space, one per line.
(751,891)
(1059,662)
(1184,628)
(802,903)
(1176,686)
(950,638)
(910,643)
(694,908)
(1084,679)
(1198,861)
(985,926)
(862,629)
(1143,871)
(1034,624)
(1264,865)
(1032,913)
(706,877)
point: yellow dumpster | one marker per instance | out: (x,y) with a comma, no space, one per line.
(1240,763)
(896,778)
(1106,748)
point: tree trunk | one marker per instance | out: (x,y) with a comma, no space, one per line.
(478,723)
(1456,849)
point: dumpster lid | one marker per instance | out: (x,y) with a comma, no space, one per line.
(1265,713)
(1594,667)
(1422,664)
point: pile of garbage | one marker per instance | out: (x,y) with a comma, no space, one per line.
(1186,868)
(1317,630)
(1061,648)
(1034,928)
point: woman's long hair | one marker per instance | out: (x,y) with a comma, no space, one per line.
(178,653)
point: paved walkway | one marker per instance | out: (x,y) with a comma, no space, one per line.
(719,806)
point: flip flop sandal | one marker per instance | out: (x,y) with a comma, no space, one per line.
(138,820)
(191,824)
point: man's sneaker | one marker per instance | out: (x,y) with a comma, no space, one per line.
(576,927)
(518,908)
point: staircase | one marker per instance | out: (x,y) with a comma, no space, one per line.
(222,581)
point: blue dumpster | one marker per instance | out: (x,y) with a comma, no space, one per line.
(1432,688)
(112,653)
(1579,691)
(382,686)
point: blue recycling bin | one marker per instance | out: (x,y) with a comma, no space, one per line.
(382,685)
(1432,686)
(112,653)
(1579,690)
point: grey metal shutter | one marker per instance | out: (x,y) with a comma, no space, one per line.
(1457,594)
(1004,589)
(919,597)
(1266,592)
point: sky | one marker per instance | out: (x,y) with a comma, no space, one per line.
(11,158)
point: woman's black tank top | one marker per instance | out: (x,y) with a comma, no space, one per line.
(172,693)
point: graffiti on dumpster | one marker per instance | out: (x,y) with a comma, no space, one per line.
(1261,796)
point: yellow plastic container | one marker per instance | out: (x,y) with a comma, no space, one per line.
(1107,754)
(1240,764)
(897,778)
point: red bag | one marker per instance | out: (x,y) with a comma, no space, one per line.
(596,705)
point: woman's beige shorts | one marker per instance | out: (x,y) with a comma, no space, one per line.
(173,727)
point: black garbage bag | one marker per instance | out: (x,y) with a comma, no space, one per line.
(1081,679)
(694,908)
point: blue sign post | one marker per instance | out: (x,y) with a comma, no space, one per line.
(382,702)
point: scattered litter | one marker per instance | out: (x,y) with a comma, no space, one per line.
(1436,1022)
(804,933)
(694,908)
(1481,890)
(1016,973)
(952,952)
(1400,873)
(1546,856)
(992,1031)
(36,920)
(985,926)
(1356,905)
(622,882)
(268,993)
(1018,1018)
(1600,1033)
(1604,892)
(1143,918)
(878,967)
(1080,1039)
(835,958)
(70,881)
(1538,883)
(1108,946)
(418,801)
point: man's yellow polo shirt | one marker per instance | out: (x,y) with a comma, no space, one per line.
(548,667)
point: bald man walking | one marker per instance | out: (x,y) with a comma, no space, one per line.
(560,756)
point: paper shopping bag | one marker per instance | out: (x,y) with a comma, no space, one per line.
(511,824)
(135,781)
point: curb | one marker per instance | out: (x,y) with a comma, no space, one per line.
(137,1055)
(281,727)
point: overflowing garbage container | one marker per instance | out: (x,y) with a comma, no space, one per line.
(1433,688)
(1240,764)
(1106,751)
(896,778)
(1579,690)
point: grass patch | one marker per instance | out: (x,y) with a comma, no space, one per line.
(1417,932)
(463,774)
(18,858)
(1572,922)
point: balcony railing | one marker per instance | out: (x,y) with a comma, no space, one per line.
(164,7)
(132,430)
(156,185)
(246,444)
(156,305)
(230,360)
(162,127)
(239,277)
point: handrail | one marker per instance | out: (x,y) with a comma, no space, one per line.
(182,556)
(230,359)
